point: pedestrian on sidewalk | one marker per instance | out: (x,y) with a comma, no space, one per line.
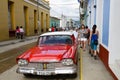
(94,41)
(87,34)
(75,31)
(53,29)
(82,37)
(21,32)
(17,32)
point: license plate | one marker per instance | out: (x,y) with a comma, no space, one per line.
(44,73)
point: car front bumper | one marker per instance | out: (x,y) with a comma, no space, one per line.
(62,70)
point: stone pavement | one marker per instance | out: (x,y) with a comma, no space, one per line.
(93,69)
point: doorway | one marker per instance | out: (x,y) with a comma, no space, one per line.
(26,20)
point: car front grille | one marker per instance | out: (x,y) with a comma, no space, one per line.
(42,66)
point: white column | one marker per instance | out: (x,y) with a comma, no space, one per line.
(114,39)
(99,18)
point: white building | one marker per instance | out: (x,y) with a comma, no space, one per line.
(63,21)
(106,15)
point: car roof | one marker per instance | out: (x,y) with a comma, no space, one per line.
(57,33)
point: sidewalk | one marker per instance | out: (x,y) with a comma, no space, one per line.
(11,44)
(93,69)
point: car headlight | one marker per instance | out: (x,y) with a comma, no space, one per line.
(67,62)
(22,62)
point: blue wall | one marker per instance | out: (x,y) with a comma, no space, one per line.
(106,14)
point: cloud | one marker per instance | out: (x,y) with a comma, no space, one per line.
(65,7)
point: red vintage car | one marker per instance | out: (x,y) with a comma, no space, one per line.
(55,53)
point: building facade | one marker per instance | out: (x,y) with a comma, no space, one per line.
(63,21)
(55,22)
(33,15)
(72,23)
(105,14)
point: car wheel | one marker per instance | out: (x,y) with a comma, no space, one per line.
(74,75)
(27,75)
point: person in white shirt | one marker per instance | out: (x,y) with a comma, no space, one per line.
(82,38)
(21,32)
(75,33)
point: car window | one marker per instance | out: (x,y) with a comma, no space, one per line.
(55,40)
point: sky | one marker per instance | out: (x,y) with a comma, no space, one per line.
(69,8)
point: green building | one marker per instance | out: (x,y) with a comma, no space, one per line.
(54,22)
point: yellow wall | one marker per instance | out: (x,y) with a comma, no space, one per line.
(44,23)
(4,34)
(18,17)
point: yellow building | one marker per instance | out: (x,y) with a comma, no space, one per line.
(33,15)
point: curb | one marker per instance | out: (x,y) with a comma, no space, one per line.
(17,41)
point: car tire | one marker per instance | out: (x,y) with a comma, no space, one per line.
(74,75)
(27,75)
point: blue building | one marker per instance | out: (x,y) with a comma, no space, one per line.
(106,15)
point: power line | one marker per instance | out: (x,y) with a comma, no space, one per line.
(64,14)
(74,16)
(55,11)
(65,4)
(57,5)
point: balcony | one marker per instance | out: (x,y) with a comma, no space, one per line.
(43,3)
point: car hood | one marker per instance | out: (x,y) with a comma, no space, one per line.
(48,53)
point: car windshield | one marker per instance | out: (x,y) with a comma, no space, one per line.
(53,39)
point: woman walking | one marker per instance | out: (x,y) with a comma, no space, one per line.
(82,37)
(94,41)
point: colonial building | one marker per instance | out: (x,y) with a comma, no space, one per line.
(105,14)
(33,15)
(63,21)
(54,21)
